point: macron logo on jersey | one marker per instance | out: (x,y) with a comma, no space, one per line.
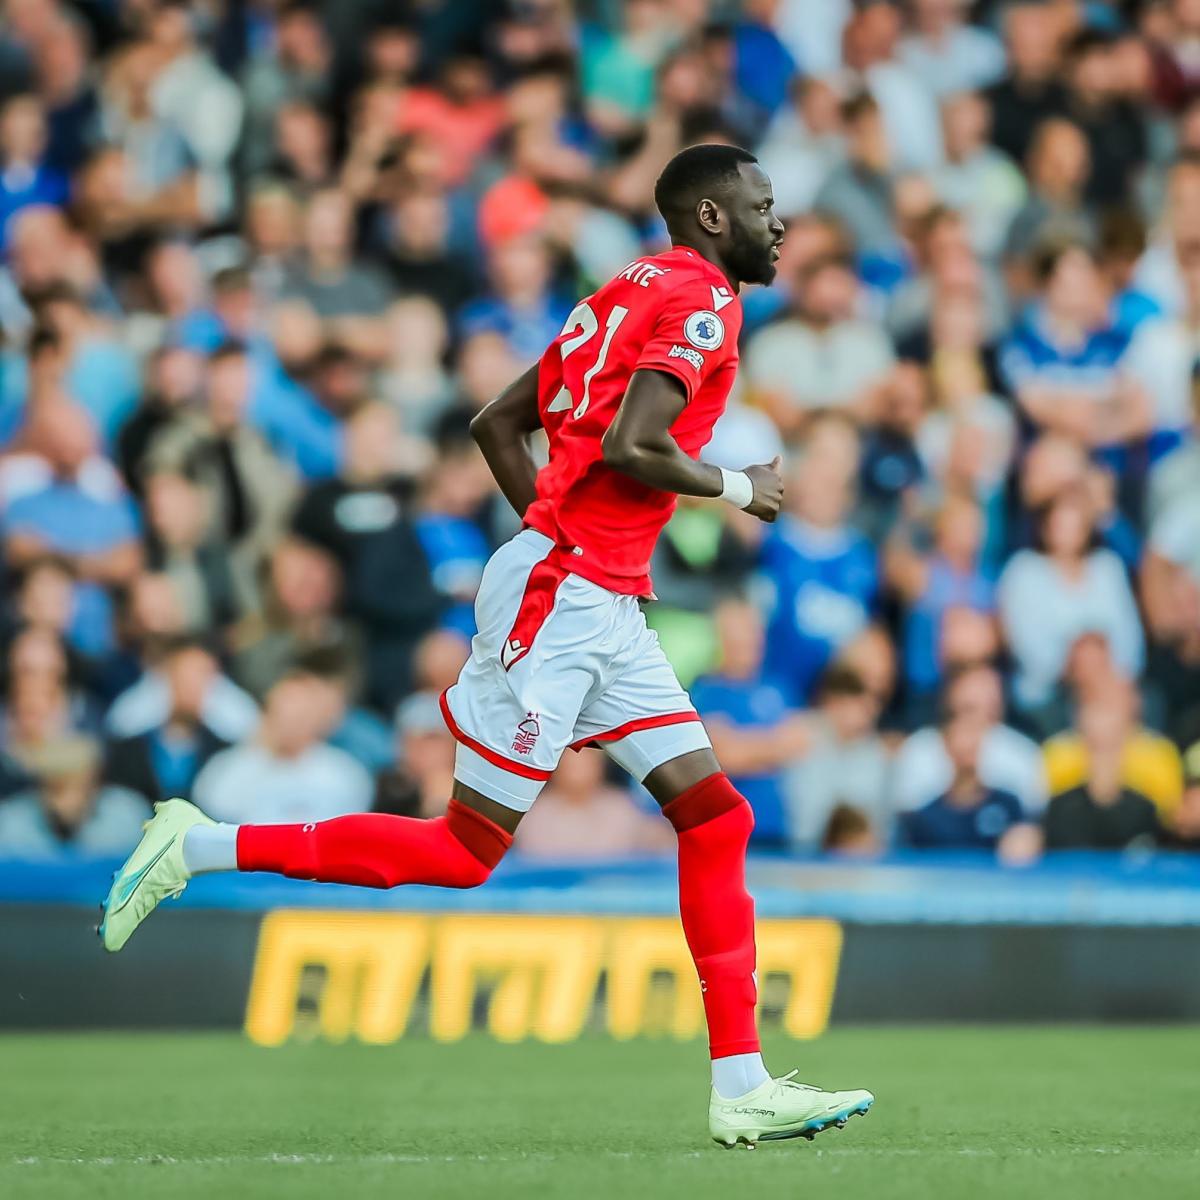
(512,652)
(721,297)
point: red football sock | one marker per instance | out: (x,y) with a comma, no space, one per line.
(458,850)
(713,822)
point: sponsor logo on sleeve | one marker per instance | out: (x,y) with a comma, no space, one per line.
(688,355)
(704,329)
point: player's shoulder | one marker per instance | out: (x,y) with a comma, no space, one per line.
(678,276)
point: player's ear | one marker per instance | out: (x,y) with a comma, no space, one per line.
(709,216)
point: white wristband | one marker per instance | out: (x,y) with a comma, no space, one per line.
(737,488)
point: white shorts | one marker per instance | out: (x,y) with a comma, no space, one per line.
(560,662)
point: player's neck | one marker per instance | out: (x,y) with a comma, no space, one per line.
(709,256)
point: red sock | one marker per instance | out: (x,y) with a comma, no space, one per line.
(458,850)
(713,822)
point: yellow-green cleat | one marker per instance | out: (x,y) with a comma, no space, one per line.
(154,872)
(779,1109)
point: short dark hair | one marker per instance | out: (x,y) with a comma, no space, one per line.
(699,170)
(230,348)
(841,680)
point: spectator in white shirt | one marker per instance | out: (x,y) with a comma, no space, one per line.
(821,356)
(1008,760)
(947,52)
(1066,587)
(288,773)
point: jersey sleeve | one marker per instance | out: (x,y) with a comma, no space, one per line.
(689,339)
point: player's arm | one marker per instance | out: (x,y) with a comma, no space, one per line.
(639,444)
(501,430)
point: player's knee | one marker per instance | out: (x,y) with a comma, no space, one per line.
(481,844)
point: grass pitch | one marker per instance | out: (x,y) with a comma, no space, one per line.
(967,1114)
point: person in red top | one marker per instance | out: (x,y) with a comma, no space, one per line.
(627,394)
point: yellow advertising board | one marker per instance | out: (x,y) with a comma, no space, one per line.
(380,976)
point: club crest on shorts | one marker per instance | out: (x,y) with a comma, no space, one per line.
(528,732)
(704,329)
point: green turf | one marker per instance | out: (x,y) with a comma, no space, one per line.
(966,1114)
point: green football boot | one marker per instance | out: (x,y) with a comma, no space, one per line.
(151,874)
(779,1109)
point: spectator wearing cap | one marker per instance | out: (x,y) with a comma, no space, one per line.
(67,811)
(1008,760)
(164,760)
(754,731)
(25,177)
(582,817)
(287,772)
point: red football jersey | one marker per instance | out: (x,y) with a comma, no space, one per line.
(672,312)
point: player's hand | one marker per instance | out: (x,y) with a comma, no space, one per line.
(768,490)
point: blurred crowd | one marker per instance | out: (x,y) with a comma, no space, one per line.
(261,262)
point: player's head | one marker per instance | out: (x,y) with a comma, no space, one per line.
(717,199)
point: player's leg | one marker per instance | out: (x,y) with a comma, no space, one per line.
(504,757)
(645,721)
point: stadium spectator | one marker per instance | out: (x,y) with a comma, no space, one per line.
(366,519)
(287,771)
(1008,760)
(969,814)
(950,55)
(821,354)
(842,769)
(1033,92)
(248,489)
(164,761)
(67,811)
(1182,828)
(581,817)
(26,177)
(1065,587)
(859,191)
(931,585)
(1148,763)
(1102,813)
(821,572)
(299,614)
(753,730)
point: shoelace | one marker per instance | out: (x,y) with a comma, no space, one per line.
(789,1081)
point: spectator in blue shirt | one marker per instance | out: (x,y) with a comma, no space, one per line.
(820,575)
(88,521)
(754,731)
(25,177)
(969,815)
(1063,361)
(522,305)
(930,584)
